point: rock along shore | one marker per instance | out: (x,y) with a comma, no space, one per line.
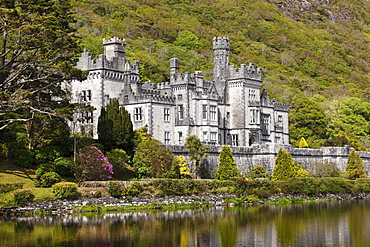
(63,207)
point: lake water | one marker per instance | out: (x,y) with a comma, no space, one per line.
(340,223)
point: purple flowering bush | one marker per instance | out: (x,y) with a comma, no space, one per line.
(91,164)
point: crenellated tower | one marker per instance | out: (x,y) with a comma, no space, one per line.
(114,48)
(221,50)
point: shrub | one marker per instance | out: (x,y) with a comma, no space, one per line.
(260,188)
(214,185)
(363,185)
(180,186)
(120,162)
(302,143)
(64,166)
(252,198)
(44,168)
(115,189)
(355,166)
(7,187)
(325,170)
(91,164)
(22,197)
(25,157)
(133,190)
(65,190)
(4,151)
(49,178)
(257,172)
(48,153)
(316,186)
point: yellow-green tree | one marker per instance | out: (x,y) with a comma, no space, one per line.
(227,166)
(184,168)
(286,168)
(302,143)
(355,166)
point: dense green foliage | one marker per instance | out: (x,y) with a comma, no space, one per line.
(48,179)
(37,45)
(151,159)
(115,188)
(286,168)
(257,172)
(325,170)
(115,127)
(312,58)
(65,190)
(227,166)
(355,166)
(64,166)
(23,197)
(120,162)
(7,187)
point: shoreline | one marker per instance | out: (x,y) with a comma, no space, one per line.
(158,202)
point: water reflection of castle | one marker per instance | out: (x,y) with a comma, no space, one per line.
(338,223)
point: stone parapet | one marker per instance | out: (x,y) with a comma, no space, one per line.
(265,155)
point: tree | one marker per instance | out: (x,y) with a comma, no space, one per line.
(341,140)
(257,172)
(91,164)
(355,166)
(284,166)
(121,166)
(36,49)
(179,169)
(115,127)
(353,118)
(197,151)
(151,159)
(188,40)
(302,143)
(227,166)
(184,168)
(307,118)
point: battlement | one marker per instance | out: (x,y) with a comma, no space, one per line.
(116,64)
(114,40)
(164,85)
(245,72)
(114,47)
(280,106)
(186,78)
(221,43)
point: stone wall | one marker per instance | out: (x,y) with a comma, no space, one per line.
(247,157)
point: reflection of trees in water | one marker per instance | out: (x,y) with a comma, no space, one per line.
(357,215)
(323,224)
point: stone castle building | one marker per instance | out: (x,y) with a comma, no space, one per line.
(230,110)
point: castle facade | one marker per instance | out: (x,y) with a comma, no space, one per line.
(230,110)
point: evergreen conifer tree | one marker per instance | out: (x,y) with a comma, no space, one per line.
(302,143)
(284,166)
(355,166)
(227,166)
(115,128)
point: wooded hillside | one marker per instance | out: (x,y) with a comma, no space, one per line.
(314,54)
